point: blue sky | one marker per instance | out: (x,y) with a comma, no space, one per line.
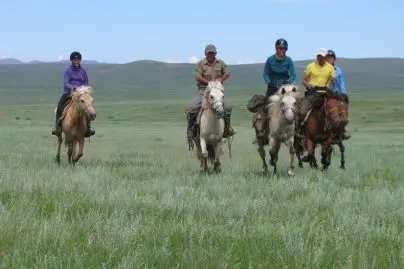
(178,30)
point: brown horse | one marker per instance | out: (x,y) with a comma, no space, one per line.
(74,122)
(320,126)
(337,132)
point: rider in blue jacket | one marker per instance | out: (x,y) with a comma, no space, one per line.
(339,85)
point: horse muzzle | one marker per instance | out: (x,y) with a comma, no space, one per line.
(339,123)
(289,116)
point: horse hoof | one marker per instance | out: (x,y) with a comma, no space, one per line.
(342,167)
(205,154)
(300,165)
(291,173)
(57,159)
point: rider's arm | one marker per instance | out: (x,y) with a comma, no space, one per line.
(265,74)
(341,83)
(332,77)
(199,72)
(85,78)
(292,71)
(225,73)
(306,76)
(66,80)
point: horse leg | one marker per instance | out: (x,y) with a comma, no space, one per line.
(261,151)
(342,150)
(290,144)
(80,153)
(69,150)
(273,151)
(73,155)
(60,140)
(311,156)
(205,154)
(217,165)
(326,151)
(298,151)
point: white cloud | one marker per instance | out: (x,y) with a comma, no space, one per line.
(244,62)
(193,59)
(62,57)
(3,57)
(174,61)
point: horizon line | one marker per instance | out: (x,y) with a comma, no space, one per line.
(168,61)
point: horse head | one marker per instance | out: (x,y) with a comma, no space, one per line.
(213,98)
(335,110)
(284,88)
(82,97)
(286,104)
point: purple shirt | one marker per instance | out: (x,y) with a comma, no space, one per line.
(74,77)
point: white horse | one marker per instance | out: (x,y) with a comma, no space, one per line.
(282,119)
(211,126)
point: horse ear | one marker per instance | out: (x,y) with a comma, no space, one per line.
(294,89)
(283,91)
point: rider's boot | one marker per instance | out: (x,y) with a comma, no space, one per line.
(90,130)
(191,120)
(57,129)
(345,134)
(228,130)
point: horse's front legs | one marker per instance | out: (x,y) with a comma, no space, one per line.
(290,144)
(60,140)
(205,154)
(273,151)
(80,153)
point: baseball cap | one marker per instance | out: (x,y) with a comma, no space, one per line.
(321,52)
(210,48)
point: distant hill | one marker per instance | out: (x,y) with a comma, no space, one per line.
(141,80)
(10,61)
(16,61)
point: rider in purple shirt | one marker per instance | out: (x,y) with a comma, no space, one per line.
(75,76)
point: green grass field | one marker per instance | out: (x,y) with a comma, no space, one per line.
(137,200)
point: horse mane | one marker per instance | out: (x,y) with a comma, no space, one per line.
(211,86)
(82,90)
(274,105)
(205,99)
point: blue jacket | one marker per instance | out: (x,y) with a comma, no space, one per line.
(339,84)
(279,71)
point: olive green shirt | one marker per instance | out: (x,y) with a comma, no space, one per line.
(210,71)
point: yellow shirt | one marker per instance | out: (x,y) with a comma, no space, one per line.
(319,76)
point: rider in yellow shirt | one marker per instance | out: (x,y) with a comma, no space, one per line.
(317,76)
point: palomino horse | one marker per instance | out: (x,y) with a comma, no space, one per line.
(74,122)
(278,126)
(211,126)
(318,129)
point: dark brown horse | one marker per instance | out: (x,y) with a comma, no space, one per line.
(338,130)
(320,126)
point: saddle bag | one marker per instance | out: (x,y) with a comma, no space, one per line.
(256,102)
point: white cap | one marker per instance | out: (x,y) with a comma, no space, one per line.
(321,52)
